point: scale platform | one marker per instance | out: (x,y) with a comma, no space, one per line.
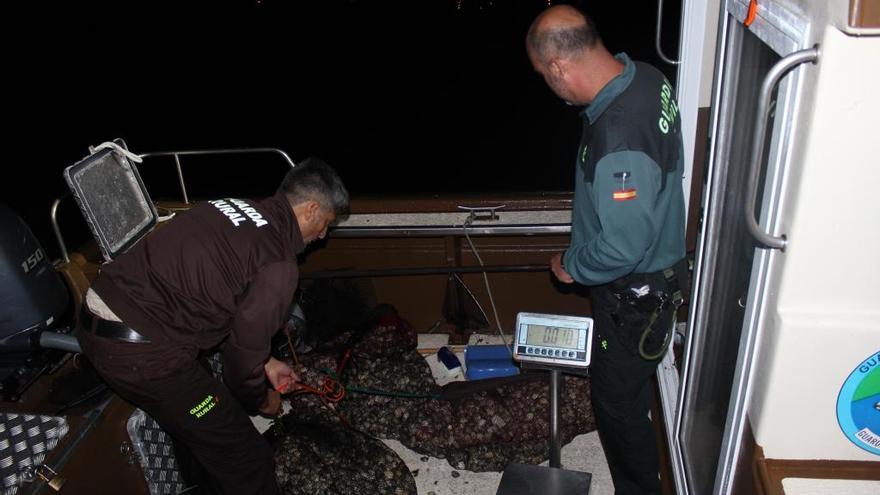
(527,479)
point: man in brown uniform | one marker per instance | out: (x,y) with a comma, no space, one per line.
(221,274)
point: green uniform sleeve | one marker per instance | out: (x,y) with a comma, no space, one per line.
(625,188)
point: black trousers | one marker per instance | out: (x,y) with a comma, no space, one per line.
(217,444)
(621,391)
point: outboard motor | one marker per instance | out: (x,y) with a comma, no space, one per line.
(32,296)
(33,302)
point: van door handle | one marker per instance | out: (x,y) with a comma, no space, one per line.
(757,154)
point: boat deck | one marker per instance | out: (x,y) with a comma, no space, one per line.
(435,476)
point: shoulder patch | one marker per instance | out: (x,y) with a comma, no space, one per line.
(624,194)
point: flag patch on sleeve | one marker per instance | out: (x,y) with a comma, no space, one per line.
(624,194)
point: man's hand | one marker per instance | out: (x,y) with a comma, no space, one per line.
(272,404)
(279,374)
(559,270)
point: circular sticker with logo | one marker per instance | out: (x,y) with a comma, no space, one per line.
(858,405)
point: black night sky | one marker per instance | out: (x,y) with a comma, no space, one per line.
(402,97)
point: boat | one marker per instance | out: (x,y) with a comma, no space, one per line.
(772,385)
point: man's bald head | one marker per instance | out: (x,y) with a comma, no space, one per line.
(561,32)
(564,47)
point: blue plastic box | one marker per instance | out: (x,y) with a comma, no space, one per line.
(488,361)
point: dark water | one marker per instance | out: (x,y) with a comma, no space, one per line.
(427,96)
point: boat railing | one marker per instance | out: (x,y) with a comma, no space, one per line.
(489,220)
(434,224)
(53,215)
(176,155)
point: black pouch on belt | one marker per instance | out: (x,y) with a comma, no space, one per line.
(646,303)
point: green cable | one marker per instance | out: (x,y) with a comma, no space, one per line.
(405,395)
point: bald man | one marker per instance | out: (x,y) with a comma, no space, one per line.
(627,233)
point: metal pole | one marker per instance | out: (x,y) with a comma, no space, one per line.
(283,154)
(180,178)
(53,216)
(657,39)
(555,448)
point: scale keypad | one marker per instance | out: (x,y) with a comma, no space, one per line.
(554,353)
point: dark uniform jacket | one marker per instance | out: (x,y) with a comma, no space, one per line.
(628,212)
(225,269)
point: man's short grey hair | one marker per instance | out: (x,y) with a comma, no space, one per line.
(314,179)
(563,42)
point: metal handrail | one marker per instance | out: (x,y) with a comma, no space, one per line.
(53,217)
(657,39)
(178,154)
(757,152)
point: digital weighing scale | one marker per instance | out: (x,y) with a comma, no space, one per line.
(553,340)
(554,343)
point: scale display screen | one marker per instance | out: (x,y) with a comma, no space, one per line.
(553,339)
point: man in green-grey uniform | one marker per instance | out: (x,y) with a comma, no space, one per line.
(627,233)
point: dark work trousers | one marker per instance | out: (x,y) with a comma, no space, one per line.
(621,393)
(218,445)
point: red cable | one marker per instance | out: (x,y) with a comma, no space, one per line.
(331,390)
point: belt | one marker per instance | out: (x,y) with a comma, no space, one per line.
(668,281)
(110,329)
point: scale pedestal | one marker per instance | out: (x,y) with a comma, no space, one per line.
(527,479)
